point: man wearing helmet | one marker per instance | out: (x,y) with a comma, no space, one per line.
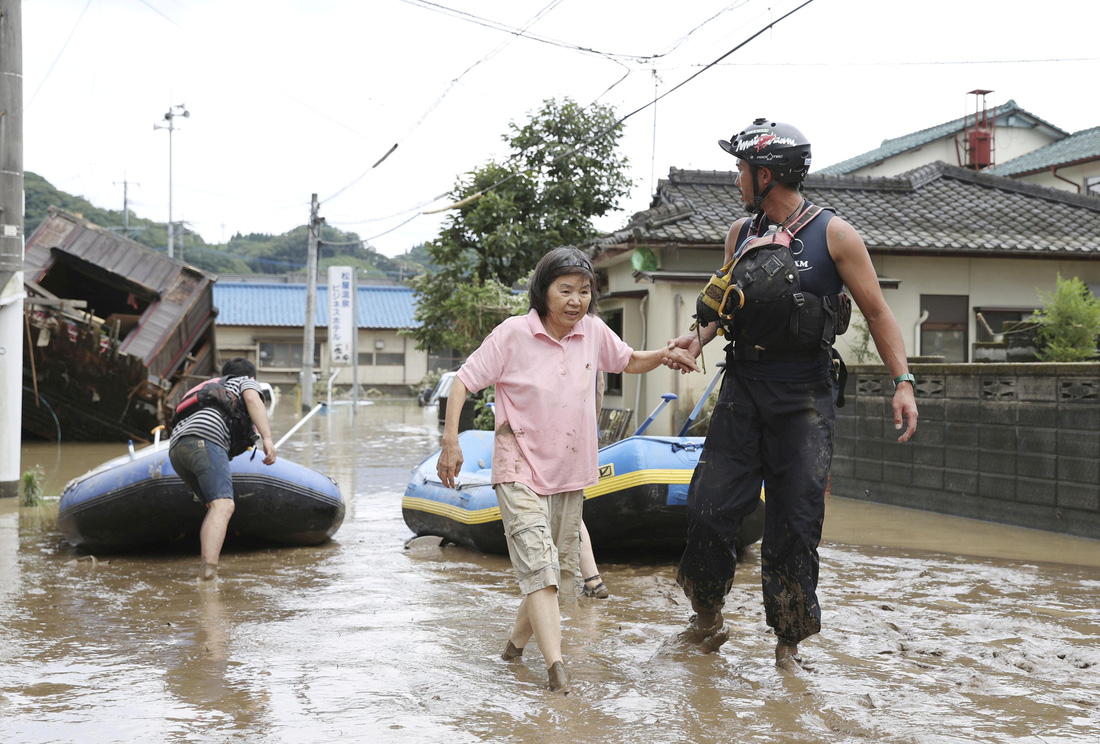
(776,411)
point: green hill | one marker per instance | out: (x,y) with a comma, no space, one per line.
(255,253)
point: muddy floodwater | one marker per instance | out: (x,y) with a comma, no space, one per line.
(935,630)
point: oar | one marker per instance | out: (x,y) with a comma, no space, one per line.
(649,420)
(703,400)
(298,425)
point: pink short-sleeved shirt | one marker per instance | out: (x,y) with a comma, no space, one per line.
(546,393)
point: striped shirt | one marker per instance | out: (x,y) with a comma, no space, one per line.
(209,423)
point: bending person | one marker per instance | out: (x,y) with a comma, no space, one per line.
(544,365)
(199,452)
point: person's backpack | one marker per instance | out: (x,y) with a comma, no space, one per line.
(213,393)
(758,297)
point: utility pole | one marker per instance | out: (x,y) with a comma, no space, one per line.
(173,112)
(312,248)
(126,205)
(11,243)
(354,340)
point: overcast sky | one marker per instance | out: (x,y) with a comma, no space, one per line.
(293,97)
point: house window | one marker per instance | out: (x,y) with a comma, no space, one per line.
(1092,185)
(944,333)
(286,354)
(446,359)
(614,320)
(389,360)
(366,359)
(996,318)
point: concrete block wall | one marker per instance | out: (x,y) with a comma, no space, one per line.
(1011,443)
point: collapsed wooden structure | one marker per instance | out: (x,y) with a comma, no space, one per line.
(115,332)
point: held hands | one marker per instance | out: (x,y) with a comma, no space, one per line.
(450,462)
(682,352)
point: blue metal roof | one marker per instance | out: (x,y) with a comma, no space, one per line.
(1079,147)
(891,147)
(255,304)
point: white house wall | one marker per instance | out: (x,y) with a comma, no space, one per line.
(1011,142)
(1078,174)
(987,282)
(245,341)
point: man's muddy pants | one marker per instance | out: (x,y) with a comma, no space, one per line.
(781,433)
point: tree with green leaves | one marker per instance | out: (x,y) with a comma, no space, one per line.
(563,170)
(1069,323)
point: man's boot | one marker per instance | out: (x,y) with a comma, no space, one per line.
(787,657)
(706,631)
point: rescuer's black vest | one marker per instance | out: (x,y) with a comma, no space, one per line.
(780,297)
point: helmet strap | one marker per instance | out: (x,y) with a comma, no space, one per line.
(756,198)
(758,195)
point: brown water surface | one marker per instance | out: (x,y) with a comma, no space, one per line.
(936,630)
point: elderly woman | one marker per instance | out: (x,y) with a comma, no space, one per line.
(544,366)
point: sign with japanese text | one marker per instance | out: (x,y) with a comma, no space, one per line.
(341,321)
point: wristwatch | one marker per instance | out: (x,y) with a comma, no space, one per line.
(905,378)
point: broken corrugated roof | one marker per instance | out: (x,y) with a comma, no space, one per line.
(937,208)
(1079,147)
(76,259)
(121,261)
(257,304)
(898,145)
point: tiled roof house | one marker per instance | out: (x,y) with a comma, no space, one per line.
(265,321)
(1016,132)
(1070,164)
(943,239)
(1025,147)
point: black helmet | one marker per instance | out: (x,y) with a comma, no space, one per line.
(784,150)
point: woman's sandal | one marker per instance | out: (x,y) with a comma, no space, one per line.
(600,591)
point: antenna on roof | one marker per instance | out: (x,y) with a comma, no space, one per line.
(979,143)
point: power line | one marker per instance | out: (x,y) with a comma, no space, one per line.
(477,195)
(619,122)
(162,15)
(401,213)
(366,241)
(396,227)
(684,38)
(915,63)
(360,176)
(497,26)
(534,19)
(58,57)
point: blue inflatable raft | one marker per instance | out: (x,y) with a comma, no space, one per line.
(138,502)
(639,505)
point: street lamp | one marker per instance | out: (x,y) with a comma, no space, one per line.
(173,112)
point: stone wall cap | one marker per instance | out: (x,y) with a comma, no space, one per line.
(1076,369)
